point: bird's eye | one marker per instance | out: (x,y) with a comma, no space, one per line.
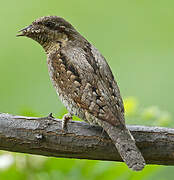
(49,24)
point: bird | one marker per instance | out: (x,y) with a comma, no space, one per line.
(84,82)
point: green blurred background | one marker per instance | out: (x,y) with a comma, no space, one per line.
(136,37)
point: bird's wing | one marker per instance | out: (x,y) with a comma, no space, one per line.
(98,93)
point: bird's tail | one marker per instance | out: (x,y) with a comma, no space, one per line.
(125,145)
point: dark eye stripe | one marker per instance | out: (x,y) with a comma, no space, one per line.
(49,24)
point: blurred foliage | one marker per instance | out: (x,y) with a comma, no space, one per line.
(150,116)
(136,37)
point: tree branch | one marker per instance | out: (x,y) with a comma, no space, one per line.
(44,136)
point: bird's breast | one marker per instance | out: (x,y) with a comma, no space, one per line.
(66,84)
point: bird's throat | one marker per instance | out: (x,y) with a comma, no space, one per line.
(52,46)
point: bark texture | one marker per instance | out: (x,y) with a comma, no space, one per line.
(44,136)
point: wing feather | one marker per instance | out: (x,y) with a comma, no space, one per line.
(99,93)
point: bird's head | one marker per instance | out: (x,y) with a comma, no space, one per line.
(49,29)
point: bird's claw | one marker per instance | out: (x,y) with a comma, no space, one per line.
(65,119)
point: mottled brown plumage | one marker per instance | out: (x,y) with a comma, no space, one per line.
(84,82)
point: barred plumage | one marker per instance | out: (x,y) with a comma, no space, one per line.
(84,82)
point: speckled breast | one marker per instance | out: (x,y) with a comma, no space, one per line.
(66,83)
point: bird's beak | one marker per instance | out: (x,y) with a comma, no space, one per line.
(25,31)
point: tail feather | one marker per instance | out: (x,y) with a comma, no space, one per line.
(125,145)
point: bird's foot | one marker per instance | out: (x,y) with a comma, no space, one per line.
(65,119)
